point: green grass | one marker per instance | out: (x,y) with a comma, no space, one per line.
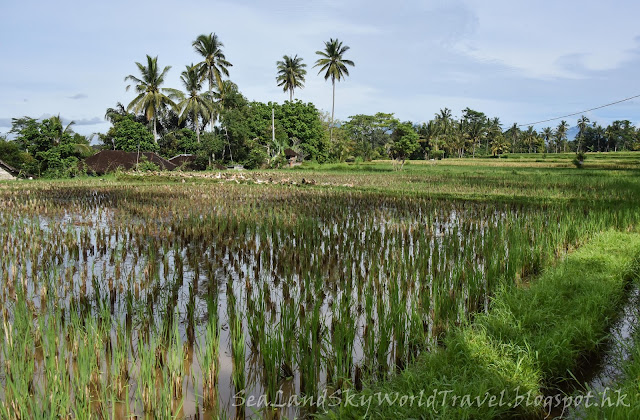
(531,339)
(356,275)
(627,385)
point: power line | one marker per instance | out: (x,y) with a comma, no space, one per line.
(581,112)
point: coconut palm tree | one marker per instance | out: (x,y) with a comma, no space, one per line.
(291,74)
(59,129)
(561,135)
(514,132)
(582,126)
(214,63)
(150,99)
(226,97)
(192,103)
(547,135)
(334,65)
(494,130)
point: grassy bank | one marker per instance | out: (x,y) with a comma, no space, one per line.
(531,339)
(607,406)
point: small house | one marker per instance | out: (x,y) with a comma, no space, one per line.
(184,161)
(292,157)
(7,172)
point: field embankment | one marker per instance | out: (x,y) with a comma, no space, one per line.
(506,361)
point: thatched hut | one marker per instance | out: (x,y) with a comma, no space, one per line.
(7,172)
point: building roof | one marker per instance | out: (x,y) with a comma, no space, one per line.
(290,153)
(10,169)
(110,160)
(183,159)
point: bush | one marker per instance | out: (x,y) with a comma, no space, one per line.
(255,159)
(579,159)
(145,166)
(278,162)
(437,154)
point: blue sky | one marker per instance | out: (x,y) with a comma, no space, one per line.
(520,61)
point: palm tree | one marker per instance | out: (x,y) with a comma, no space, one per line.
(547,135)
(59,130)
(515,136)
(582,126)
(335,68)
(193,104)
(561,135)
(226,96)
(214,62)
(494,129)
(150,99)
(291,74)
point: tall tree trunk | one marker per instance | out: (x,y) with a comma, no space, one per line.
(155,130)
(211,97)
(290,95)
(333,106)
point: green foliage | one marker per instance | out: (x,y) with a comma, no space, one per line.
(404,141)
(179,142)
(370,132)
(51,149)
(11,154)
(128,135)
(578,161)
(302,121)
(247,125)
(530,339)
(150,99)
(146,166)
(291,74)
(437,154)
(255,158)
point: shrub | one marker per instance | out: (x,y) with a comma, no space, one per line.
(579,159)
(145,166)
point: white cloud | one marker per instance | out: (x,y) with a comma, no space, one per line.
(521,61)
(553,39)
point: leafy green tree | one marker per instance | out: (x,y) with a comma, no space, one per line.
(301,121)
(404,141)
(11,154)
(474,124)
(622,135)
(193,104)
(130,136)
(214,64)
(54,151)
(334,65)
(179,141)
(150,99)
(291,74)
(370,132)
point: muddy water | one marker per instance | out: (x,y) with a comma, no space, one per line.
(601,377)
(236,267)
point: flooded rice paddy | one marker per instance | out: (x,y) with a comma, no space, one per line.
(187,300)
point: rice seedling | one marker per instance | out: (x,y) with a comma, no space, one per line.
(208,356)
(322,286)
